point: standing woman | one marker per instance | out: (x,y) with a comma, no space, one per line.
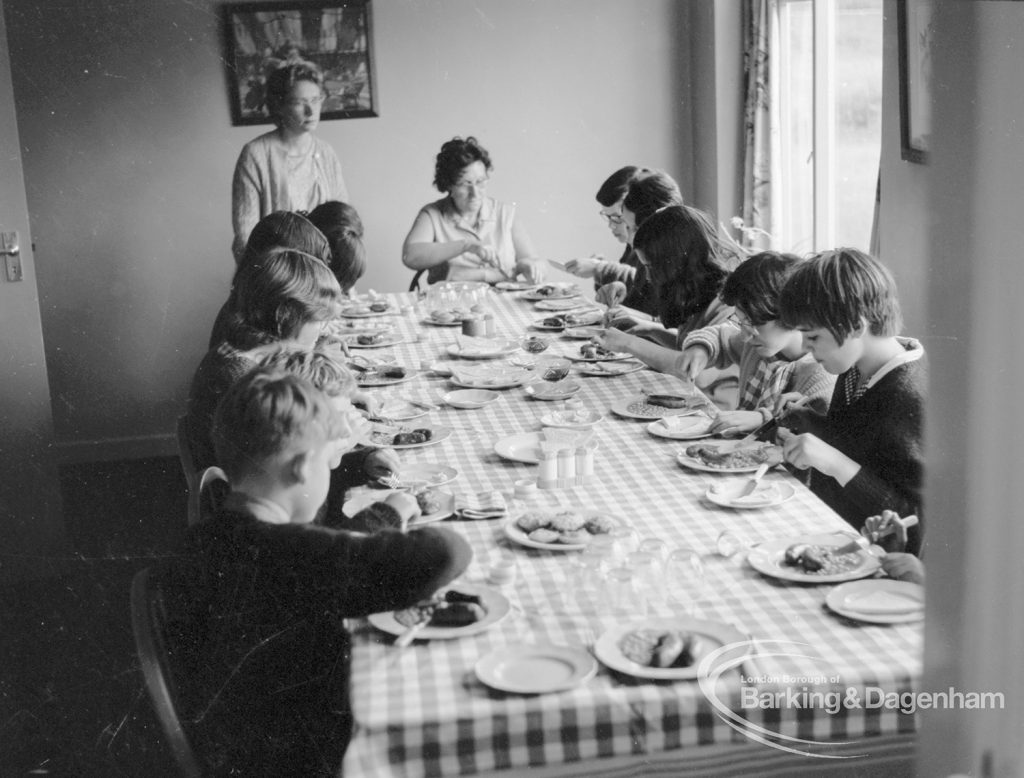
(286,169)
(468,236)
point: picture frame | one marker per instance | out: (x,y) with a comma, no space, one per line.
(337,36)
(916,40)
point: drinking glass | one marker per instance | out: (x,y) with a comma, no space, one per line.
(625,540)
(622,595)
(658,548)
(647,575)
(684,577)
(553,368)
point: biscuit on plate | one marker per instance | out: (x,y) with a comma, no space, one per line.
(577,537)
(544,536)
(598,524)
(565,521)
(531,520)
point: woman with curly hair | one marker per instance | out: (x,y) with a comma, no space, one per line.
(466,235)
(288,168)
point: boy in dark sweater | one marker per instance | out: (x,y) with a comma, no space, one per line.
(866,455)
(256,605)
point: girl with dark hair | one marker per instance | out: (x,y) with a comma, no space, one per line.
(467,236)
(287,168)
(341,225)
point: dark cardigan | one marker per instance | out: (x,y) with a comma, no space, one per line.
(262,655)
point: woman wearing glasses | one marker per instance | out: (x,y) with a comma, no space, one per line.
(286,169)
(466,235)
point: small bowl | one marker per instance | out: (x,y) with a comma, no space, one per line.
(559,390)
(579,419)
(470,398)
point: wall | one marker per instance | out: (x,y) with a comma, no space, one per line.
(128,155)
(30,518)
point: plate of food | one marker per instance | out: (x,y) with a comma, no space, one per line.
(593,352)
(464,609)
(482,348)
(435,504)
(878,601)
(725,457)
(489,377)
(552,292)
(384,375)
(557,530)
(470,398)
(663,649)
(579,419)
(588,332)
(341,328)
(397,409)
(609,369)
(395,436)
(380,339)
(652,406)
(418,476)
(692,427)
(365,310)
(557,390)
(766,494)
(812,559)
(523,668)
(561,304)
(515,286)
(447,317)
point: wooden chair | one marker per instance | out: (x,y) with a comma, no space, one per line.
(147,625)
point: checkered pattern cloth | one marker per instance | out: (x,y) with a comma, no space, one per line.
(420,711)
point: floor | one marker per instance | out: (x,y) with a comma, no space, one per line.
(71,699)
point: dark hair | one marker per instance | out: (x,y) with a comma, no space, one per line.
(650,191)
(341,225)
(288,229)
(754,287)
(616,185)
(281,81)
(278,294)
(836,289)
(681,247)
(454,157)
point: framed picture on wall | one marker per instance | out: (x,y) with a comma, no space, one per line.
(336,36)
(916,39)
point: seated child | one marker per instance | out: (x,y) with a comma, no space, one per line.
(866,455)
(341,225)
(770,356)
(887,532)
(256,604)
(285,296)
(355,467)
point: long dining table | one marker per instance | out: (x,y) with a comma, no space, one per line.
(818,694)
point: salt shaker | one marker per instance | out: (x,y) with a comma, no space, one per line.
(566,463)
(548,468)
(584,462)
(473,326)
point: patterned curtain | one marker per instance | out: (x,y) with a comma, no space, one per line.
(760,134)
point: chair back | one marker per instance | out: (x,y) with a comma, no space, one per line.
(147,626)
(208,494)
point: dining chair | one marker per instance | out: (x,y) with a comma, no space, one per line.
(208,494)
(147,611)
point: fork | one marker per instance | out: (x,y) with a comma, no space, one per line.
(390,480)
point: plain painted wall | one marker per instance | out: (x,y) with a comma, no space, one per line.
(128,153)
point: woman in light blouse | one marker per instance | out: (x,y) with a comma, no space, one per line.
(467,236)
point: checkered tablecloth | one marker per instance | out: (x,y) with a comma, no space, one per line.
(420,711)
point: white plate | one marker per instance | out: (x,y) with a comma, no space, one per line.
(515,286)
(714,635)
(766,495)
(696,464)
(617,356)
(558,390)
(651,412)
(513,533)
(878,601)
(356,312)
(367,379)
(521,447)
(489,377)
(576,420)
(416,475)
(682,427)
(455,323)
(535,669)
(768,558)
(560,304)
(539,324)
(400,410)
(342,328)
(389,340)
(562,291)
(582,333)
(365,499)
(500,348)
(609,369)
(439,434)
(494,603)
(470,398)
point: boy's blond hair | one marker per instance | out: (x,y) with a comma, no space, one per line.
(316,365)
(267,413)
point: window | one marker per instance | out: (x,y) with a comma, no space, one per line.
(828,77)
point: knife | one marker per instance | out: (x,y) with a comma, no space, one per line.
(863,543)
(774,420)
(751,485)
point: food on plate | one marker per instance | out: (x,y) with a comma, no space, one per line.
(748,456)
(378,306)
(555,322)
(454,609)
(404,438)
(582,318)
(820,560)
(430,501)
(371,338)
(368,373)
(448,315)
(595,351)
(357,310)
(568,527)
(667,400)
(661,648)
(553,290)
(535,345)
